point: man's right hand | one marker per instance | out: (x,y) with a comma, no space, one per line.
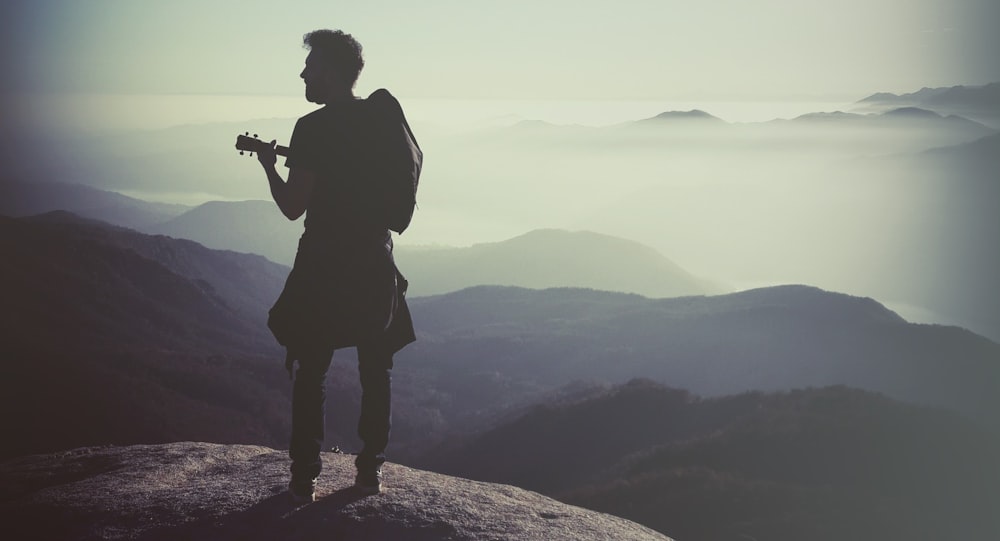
(290,363)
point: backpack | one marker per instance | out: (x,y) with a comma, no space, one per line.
(395,162)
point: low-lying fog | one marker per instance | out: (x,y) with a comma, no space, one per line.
(849,202)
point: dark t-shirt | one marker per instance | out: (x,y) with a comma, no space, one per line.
(344,288)
(335,142)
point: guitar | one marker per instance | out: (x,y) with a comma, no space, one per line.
(245,143)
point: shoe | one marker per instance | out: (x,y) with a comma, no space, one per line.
(369,482)
(302,492)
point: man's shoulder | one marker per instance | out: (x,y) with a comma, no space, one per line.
(310,122)
(327,119)
(317,116)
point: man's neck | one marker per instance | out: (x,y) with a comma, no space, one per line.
(338,97)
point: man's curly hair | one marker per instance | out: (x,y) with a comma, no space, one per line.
(341,50)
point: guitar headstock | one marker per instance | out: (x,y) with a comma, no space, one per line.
(246,143)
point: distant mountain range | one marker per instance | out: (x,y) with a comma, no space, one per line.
(887,129)
(902,117)
(980,103)
(898,129)
(961,217)
(969,97)
(557,258)
(246,283)
(26,198)
(97,317)
(550,258)
(245,226)
(501,346)
(984,151)
(695,115)
(828,463)
(110,336)
(84,279)
(952,231)
(256,227)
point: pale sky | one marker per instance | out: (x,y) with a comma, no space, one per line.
(533,49)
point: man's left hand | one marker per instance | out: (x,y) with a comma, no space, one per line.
(266,155)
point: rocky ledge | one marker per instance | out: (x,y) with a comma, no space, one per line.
(203,491)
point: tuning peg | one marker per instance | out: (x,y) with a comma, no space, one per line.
(241,153)
(255,136)
(246,133)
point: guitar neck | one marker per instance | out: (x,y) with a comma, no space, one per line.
(253,144)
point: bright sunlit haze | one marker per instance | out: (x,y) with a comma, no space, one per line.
(689,128)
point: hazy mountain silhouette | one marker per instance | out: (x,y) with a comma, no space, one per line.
(105,345)
(903,117)
(558,258)
(550,258)
(114,336)
(978,102)
(852,134)
(88,275)
(488,348)
(244,226)
(247,283)
(694,115)
(985,150)
(969,97)
(961,273)
(26,198)
(809,464)
(893,129)
(98,316)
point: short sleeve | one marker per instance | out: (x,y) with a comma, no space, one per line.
(305,148)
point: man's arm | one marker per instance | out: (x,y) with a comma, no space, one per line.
(292,197)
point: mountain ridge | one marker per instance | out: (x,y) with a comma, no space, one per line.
(939,94)
(767,339)
(559,258)
(693,115)
(980,103)
(252,226)
(26,198)
(481,353)
(768,465)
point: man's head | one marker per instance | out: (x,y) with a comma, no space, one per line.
(333,65)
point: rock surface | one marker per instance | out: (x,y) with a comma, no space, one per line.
(202,491)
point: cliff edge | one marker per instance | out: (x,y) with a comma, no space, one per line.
(202,491)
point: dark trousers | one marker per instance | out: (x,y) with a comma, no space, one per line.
(309,409)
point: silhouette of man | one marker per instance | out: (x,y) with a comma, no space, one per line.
(344,289)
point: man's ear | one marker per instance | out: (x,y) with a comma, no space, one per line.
(334,78)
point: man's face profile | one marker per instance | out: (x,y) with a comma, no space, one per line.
(319,77)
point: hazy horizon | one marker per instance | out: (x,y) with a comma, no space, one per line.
(110,114)
(145,99)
